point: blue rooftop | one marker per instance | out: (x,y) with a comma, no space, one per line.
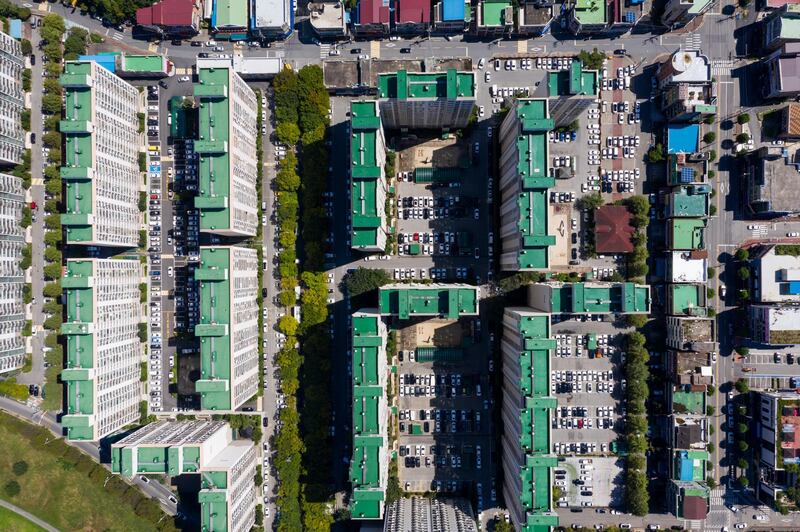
(683,138)
(453,10)
(107,60)
(15,28)
(685,466)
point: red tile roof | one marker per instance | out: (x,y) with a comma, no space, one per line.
(612,229)
(775,4)
(373,12)
(694,507)
(166,13)
(414,11)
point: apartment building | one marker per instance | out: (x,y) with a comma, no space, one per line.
(776,449)
(368,181)
(449,301)
(426,100)
(101,157)
(589,298)
(524,184)
(12,101)
(527,409)
(228,326)
(12,278)
(227,467)
(103,349)
(226,146)
(369,467)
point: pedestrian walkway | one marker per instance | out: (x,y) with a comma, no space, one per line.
(30,517)
(324,50)
(722,67)
(692,41)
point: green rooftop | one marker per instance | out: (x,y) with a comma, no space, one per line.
(574,81)
(687,299)
(590,11)
(213,328)
(143,63)
(214,190)
(404,85)
(448,301)
(366,153)
(494,13)
(687,233)
(230,14)
(532,200)
(689,202)
(690,465)
(77,128)
(582,298)
(688,402)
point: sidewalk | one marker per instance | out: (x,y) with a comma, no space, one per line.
(30,517)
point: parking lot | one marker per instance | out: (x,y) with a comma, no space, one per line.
(589,482)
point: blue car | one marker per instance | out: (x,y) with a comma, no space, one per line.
(561,136)
(574,135)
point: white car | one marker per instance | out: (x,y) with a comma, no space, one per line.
(793,234)
(184,78)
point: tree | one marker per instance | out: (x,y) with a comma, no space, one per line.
(656,153)
(26,217)
(287,180)
(710,293)
(53,187)
(742,386)
(743,118)
(52,289)
(51,103)
(711,447)
(12,488)
(709,137)
(742,138)
(711,272)
(742,254)
(742,445)
(364,280)
(709,119)
(710,389)
(711,481)
(589,202)
(710,410)
(743,482)
(20,467)
(636,321)
(741,428)
(287,133)
(502,526)
(743,351)
(741,463)
(743,273)
(52,271)
(288,325)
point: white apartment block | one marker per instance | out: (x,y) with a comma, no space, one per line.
(12,279)
(101,157)
(12,101)
(226,145)
(227,467)
(103,349)
(228,326)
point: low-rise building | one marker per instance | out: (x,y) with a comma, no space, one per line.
(689,368)
(587,17)
(589,298)
(452,16)
(777,444)
(524,183)
(780,78)
(790,121)
(229,19)
(449,301)
(686,300)
(688,432)
(775,324)
(328,19)
(613,230)
(368,182)
(770,177)
(678,13)
(426,100)
(369,467)
(686,169)
(688,500)
(684,66)
(271,19)
(776,275)
(227,327)
(495,18)
(372,19)
(12,277)
(171,19)
(689,201)
(412,17)
(226,467)
(686,233)
(535,17)
(691,333)
(103,351)
(781,26)
(571,93)
(688,93)
(688,267)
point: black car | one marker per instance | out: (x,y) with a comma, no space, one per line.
(197,43)
(163,83)
(405,50)
(202,54)
(620,51)
(176,42)
(30,389)
(33,138)
(355,51)
(33,59)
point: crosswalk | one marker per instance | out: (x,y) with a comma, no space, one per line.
(760,231)
(117,36)
(324,50)
(722,67)
(692,41)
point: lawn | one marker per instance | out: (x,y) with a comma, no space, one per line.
(64,487)
(11,522)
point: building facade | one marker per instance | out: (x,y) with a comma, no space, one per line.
(678,13)
(426,100)
(777,444)
(227,467)
(102,142)
(328,19)
(775,324)
(103,314)
(226,146)
(368,181)
(524,184)
(12,101)
(12,277)
(228,326)
(369,467)
(171,18)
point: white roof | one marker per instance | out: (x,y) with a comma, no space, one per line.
(272,13)
(784,318)
(690,65)
(686,270)
(775,272)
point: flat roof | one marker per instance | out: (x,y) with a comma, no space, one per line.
(366,172)
(404,85)
(689,66)
(773,180)
(143,63)
(688,402)
(599,298)
(271,13)
(775,273)
(783,324)
(687,233)
(687,298)
(229,14)
(591,11)
(688,267)
(683,138)
(493,12)
(455,9)
(689,201)
(448,300)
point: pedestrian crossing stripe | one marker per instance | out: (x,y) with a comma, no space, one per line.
(324,49)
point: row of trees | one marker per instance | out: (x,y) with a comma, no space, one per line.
(636,373)
(301,111)
(636,266)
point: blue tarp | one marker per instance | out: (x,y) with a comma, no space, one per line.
(453,10)
(794,287)
(15,28)
(107,61)
(683,138)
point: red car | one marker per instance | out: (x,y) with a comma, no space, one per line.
(33,205)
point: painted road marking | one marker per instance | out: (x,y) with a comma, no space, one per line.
(375,49)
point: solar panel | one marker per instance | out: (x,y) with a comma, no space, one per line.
(687,175)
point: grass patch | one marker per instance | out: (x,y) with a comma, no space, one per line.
(63,486)
(53,389)
(11,522)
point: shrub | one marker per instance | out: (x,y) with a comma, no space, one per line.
(12,488)
(20,468)
(709,137)
(743,118)
(742,386)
